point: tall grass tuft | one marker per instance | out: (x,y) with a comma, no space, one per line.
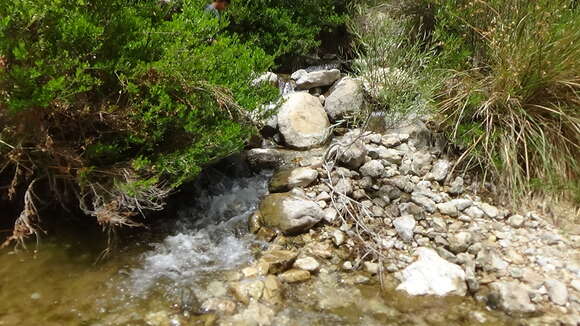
(513,99)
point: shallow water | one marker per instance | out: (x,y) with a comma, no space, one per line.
(160,276)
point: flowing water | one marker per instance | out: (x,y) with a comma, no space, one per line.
(160,276)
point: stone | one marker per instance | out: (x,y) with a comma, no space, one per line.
(344,186)
(346,99)
(266,78)
(302,121)
(219,305)
(403,183)
(462,204)
(490,260)
(287,179)
(427,203)
(489,210)
(448,208)
(359,194)
(576,285)
(390,192)
(456,187)
(512,297)
(330,215)
(278,261)
(557,292)
(298,74)
(316,78)
(294,276)
(516,221)
(338,237)
(256,314)
(307,263)
(460,242)
(372,169)
(261,159)
(272,290)
(421,163)
(432,275)
(394,140)
(289,213)
(371,268)
(243,291)
(352,153)
(412,209)
(474,212)
(405,226)
(440,170)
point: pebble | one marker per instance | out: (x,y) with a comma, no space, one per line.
(517,221)
(338,237)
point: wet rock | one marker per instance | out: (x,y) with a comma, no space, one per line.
(278,261)
(489,210)
(243,291)
(261,159)
(345,99)
(512,297)
(516,221)
(272,290)
(432,275)
(427,203)
(491,261)
(219,305)
(449,209)
(405,226)
(303,122)
(557,292)
(352,154)
(372,169)
(320,78)
(294,276)
(440,170)
(266,78)
(456,187)
(307,263)
(289,213)
(287,179)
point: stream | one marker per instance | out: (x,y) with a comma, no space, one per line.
(160,277)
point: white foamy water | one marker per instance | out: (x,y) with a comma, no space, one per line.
(210,235)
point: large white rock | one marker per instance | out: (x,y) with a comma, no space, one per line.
(267,77)
(316,78)
(432,275)
(346,99)
(303,122)
(289,213)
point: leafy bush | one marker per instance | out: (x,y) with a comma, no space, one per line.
(284,27)
(513,98)
(101,97)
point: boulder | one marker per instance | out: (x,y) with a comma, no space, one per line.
(512,297)
(346,99)
(287,179)
(313,79)
(259,158)
(289,214)
(432,275)
(266,78)
(303,122)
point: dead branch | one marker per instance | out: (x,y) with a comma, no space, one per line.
(27,222)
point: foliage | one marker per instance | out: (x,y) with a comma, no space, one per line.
(394,65)
(284,27)
(517,80)
(102,96)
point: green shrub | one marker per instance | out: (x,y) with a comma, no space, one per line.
(516,77)
(109,96)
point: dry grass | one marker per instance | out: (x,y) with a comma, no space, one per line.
(517,109)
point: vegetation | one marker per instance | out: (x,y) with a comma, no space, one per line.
(112,104)
(509,93)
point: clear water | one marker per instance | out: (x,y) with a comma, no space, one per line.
(160,276)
